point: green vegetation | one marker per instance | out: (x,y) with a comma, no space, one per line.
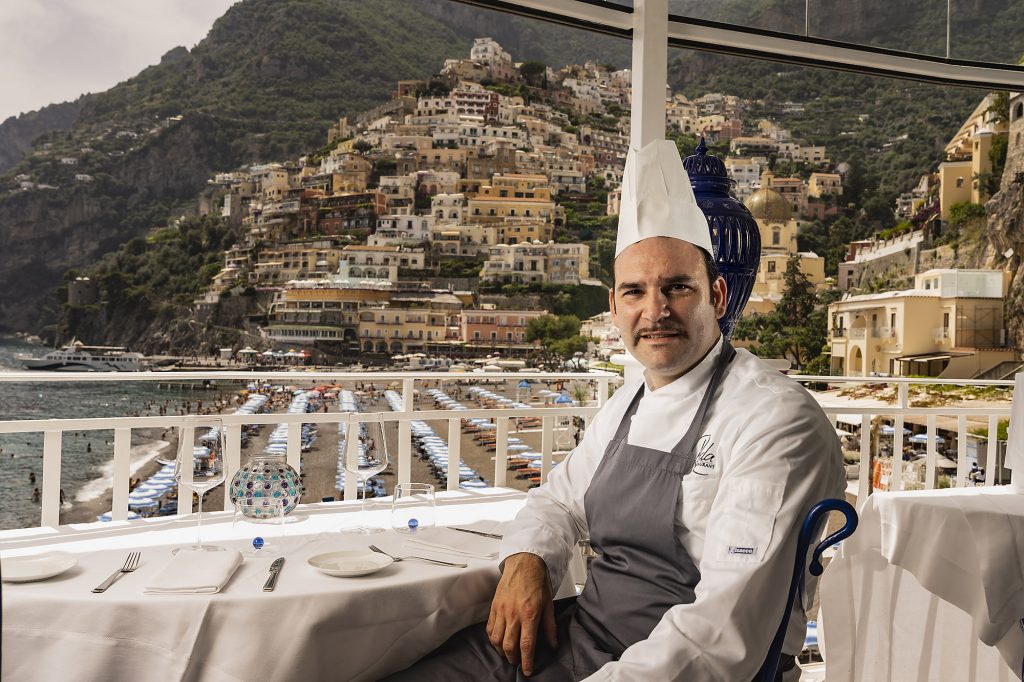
(796,329)
(1002,431)
(155,279)
(559,338)
(560,299)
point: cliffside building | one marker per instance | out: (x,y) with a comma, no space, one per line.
(949,325)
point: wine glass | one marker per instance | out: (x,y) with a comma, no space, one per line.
(366,455)
(199,466)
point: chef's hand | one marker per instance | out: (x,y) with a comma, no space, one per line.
(521,603)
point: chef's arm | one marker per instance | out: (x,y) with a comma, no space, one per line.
(772,481)
(553,519)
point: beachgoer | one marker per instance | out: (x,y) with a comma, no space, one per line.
(35,495)
(31,478)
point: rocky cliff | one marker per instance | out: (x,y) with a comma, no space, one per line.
(1004,245)
(47,232)
(18,132)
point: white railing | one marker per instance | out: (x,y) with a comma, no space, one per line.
(900,413)
(53,429)
(986,417)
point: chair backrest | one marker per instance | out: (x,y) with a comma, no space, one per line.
(810,528)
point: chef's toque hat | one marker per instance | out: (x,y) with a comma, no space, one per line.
(657,200)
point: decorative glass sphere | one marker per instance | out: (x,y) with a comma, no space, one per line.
(734,233)
(264,486)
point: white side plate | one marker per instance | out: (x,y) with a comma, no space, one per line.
(348,564)
(22,569)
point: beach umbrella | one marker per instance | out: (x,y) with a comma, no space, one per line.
(142,504)
(518,446)
(923,438)
(108,516)
(563,400)
(888,430)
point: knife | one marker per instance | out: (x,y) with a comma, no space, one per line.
(275,570)
(477,532)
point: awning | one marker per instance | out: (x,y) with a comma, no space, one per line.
(926,358)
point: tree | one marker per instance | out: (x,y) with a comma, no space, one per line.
(559,338)
(533,72)
(796,329)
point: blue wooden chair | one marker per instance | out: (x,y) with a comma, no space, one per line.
(808,532)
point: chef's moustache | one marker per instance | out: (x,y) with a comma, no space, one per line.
(656,328)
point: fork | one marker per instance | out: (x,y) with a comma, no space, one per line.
(375,548)
(130,564)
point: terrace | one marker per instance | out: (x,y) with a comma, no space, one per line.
(643,22)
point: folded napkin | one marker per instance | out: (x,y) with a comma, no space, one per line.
(456,542)
(192,572)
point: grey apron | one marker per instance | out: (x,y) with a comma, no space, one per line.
(642,570)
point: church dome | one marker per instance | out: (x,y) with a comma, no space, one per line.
(767,204)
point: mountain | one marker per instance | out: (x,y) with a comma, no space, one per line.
(18,132)
(265,84)
(272,75)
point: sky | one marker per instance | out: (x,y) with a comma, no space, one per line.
(55,50)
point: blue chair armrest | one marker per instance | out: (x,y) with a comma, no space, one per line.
(811,526)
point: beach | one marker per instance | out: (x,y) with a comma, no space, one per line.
(320,463)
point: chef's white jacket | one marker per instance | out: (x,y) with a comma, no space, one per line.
(766,456)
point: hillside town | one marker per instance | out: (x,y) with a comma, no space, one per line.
(399,236)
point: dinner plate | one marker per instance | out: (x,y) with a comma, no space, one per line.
(22,569)
(349,564)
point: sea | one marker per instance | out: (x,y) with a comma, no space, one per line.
(87,457)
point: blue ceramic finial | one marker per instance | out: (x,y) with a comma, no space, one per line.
(702,148)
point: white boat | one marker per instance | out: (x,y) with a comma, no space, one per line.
(77,357)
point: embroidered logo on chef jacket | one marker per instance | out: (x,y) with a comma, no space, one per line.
(704,461)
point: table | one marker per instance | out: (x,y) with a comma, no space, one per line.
(312,626)
(930,587)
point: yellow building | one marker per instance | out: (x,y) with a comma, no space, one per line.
(296,260)
(394,328)
(515,196)
(325,309)
(955,185)
(778,230)
(949,325)
(526,262)
(824,184)
(967,161)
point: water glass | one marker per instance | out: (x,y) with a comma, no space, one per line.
(263,533)
(412,508)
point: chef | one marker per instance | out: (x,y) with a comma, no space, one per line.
(690,484)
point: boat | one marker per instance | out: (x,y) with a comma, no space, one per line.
(78,357)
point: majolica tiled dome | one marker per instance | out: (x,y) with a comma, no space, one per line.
(767,204)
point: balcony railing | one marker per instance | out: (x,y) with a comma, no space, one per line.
(54,429)
(955,422)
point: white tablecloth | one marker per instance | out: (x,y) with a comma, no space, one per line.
(930,587)
(312,626)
